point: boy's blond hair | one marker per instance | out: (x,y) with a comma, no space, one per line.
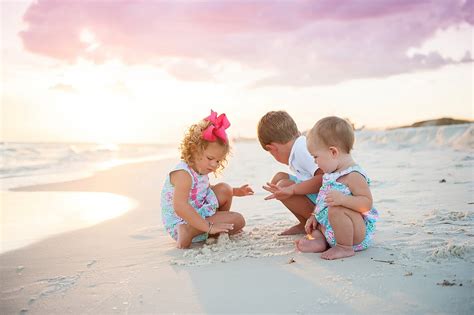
(276,126)
(194,143)
(333,131)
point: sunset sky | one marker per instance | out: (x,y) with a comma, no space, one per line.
(139,71)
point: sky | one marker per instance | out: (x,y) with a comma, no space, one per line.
(141,71)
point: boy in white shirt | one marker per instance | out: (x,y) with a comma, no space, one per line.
(279,135)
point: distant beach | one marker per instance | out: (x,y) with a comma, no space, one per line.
(421,262)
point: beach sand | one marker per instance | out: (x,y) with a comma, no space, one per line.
(421,262)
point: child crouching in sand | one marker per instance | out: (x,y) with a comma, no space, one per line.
(279,135)
(192,209)
(344,217)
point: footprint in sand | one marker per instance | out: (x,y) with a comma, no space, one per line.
(146,233)
(91,263)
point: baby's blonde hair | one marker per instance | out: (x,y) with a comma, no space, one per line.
(333,131)
(276,126)
(194,143)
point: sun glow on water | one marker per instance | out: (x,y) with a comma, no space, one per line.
(25,221)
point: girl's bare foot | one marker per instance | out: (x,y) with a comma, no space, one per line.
(185,236)
(296,229)
(338,251)
(310,245)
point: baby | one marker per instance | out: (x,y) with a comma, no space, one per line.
(344,217)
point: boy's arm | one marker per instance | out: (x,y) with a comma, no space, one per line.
(182,182)
(310,186)
(361,199)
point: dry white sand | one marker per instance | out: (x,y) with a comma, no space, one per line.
(422,260)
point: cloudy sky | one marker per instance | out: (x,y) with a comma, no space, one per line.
(140,71)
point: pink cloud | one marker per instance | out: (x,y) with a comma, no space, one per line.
(301,42)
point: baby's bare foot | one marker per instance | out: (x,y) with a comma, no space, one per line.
(310,245)
(338,251)
(296,229)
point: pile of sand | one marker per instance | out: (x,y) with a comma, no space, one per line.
(262,241)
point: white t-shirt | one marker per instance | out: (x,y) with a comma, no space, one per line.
(301,162)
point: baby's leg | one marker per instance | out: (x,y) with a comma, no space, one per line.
(316,245)
(299,205)
(229,217)
(224,194)
(186,233)
(349,229)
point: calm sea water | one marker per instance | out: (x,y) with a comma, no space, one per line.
(24,164)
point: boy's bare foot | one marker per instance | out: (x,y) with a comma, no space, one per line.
(305,245)
(185,237)
(296,229)
(338,251)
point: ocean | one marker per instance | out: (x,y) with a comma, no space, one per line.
(26,164)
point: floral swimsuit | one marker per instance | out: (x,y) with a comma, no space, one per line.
(330,183)
(201,197)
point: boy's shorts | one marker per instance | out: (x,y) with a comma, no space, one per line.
(311,197)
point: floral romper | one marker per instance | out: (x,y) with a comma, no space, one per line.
(321,214)
(201,197)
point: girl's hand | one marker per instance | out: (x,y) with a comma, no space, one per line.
(334,198)
(279,193)
(311,224)
(216,228)
(244,190)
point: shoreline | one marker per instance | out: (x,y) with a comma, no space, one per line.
(90,171)
(96,187)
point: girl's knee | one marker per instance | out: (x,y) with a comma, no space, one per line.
(223,190)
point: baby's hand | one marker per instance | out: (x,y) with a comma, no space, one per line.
(311,224)
(334,198)
(278,193)
(244,190)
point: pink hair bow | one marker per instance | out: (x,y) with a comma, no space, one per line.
(217,127)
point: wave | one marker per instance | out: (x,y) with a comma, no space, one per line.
(459,137)
(25,163)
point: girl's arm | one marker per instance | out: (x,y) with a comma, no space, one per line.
(244,190)
(182,183)
(361,199)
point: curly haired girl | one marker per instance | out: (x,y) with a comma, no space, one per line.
(192,209)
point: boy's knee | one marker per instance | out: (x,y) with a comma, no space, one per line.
(279,177)
(284,183)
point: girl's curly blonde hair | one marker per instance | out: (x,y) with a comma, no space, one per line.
(193,143)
